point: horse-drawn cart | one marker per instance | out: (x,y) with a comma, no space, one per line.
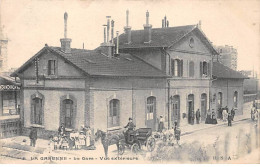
(140,137)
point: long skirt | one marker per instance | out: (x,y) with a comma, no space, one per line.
(160,127)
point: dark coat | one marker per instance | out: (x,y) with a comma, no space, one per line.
(33,134)
(130,126)
(198,114)
(61,129)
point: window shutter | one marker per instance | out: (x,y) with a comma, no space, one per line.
(181,68)
(32,112)
(201,69)
(62,108)
(55,67)
(172,67)
(49,67)
(145,112)
(74,114)
(209,69)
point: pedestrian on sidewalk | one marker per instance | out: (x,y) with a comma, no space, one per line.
(177,134)
(233,113)
(33,136)
(198,116)
(192,117)
(229,119)
(225,114)
(213,118)
(161,124)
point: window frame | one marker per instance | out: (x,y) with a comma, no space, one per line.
(51,67)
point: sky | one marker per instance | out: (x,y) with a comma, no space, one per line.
(30,24)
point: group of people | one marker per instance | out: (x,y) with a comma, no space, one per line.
(227,115)
(254,112)
(193,115)
(71,140)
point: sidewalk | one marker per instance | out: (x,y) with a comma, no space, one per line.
(188,129)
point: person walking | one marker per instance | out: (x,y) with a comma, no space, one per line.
(33,136)
(233,113)
(192,117)
(177,134)
(161,124)
(229,119)
(198,116)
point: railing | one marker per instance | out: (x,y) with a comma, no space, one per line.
(10,128)
(249,97)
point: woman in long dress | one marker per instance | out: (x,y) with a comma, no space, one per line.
(88,135)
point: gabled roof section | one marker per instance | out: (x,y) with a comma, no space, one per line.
(162,37)
(221,71)
(97,64)
(6,80)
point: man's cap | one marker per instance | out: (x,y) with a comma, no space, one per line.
(130,118)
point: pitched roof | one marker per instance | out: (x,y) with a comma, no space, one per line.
(97,64)
(160,37)
(6,80)
(221,71)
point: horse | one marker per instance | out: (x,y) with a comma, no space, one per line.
(108,139)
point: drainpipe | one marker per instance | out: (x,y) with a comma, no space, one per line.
(169,124)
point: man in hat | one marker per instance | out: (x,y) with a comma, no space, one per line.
(229,119)
(130,125)
(198,116)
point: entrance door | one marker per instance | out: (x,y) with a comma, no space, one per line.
(203,106)
(190,107)
(67,113)
(175,116)
(151,113)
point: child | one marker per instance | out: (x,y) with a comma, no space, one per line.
(51,144)
(82,139)
(55,142)
(177,134)
(65,143)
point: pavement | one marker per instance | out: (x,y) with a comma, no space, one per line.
(19,148)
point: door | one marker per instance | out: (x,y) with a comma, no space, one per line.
(67,115)
(203,106)
(175,116)
(151,113)
(190,107)
(114,109)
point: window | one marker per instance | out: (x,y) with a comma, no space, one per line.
(67,113)
(114,110)
(51,67)
(204,69)
(9,103)
(191,69)
(37,111)
(191,43)
(235,99)
(175,115)
(177,67)
(151,108)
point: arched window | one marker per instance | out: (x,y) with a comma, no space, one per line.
(37,111)
(205,69)
(151,112)
(235,99)
(177,67)
(114,112)
(191,69)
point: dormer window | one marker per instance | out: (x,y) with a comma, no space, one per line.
(205,69)
(51,67)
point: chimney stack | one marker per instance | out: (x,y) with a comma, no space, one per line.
(107,47)
(117,44)
(108,27)
(165,21)
(127,28)
(199,24)
(147,29)
(65,42)
(112,31)
(162,23)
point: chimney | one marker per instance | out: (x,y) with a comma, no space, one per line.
(108,27)
(162,23)
(199,24)
(165,21)
(65,42)
(112,31)
(127,28)
(107,48)
(147,29)
(117,44)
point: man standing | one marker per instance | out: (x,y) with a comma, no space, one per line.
(161,124)
(33,136)
(233,113)
(198,116)
(229,119)
(192,117)
(130,125)
(177,134)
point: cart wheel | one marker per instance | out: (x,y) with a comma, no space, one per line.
(135,148)
(121,149)
(150,144)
